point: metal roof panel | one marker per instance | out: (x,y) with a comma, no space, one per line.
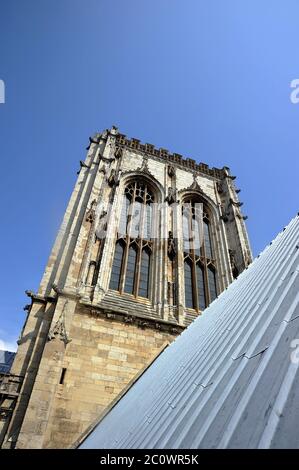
(228,380)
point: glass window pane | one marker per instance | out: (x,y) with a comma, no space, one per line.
(147,222)
(124,216)
(130,273)
(135,229)
(188,285)
(144,274)
(200,287)
(186,234)
(207,240)
(116,267)
(212,284)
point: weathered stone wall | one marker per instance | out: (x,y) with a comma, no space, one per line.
(102,357)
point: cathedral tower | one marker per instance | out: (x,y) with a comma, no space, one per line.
(148,240)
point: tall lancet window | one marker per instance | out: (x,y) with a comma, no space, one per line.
(199,257)
(133,251)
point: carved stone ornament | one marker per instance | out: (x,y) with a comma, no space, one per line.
(236,203)
(171,196)
(128,319)
(233,264)
(102,226)
(104,168)
(91,212)
(225,215)
(241,217)
(118,153)
(142,323)
(171,171)
(112,316)
(195,186)
(82,165)
(247,259)
(58,331)
(144,167)
(219,187)
(171,249)
(105,134)
(112,179)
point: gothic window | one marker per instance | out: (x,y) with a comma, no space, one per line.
(133,252)
(199,259)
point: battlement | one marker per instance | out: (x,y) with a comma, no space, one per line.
(175,158)
(162,154)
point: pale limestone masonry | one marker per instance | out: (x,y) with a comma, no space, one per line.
(82,343)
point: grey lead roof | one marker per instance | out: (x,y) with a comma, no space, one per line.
(228,380)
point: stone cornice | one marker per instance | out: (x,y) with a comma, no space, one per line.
(139,320)
(124,316)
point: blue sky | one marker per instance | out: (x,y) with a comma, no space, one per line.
(207,79)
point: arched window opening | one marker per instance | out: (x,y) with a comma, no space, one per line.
(131,274)
(199,261)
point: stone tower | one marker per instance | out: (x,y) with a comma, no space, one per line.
(122,281)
